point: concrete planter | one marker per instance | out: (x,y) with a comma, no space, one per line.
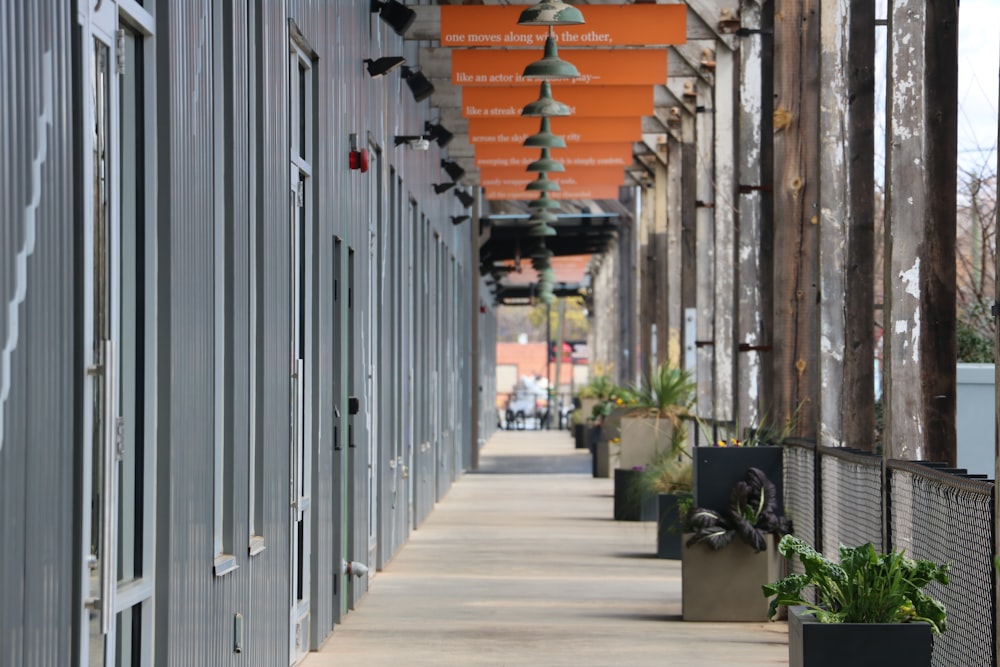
(815,644)
(643,438)
(668,525)
(630,503)
(718,469)
(604,451)
(725,585)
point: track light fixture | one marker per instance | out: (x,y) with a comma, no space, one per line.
(458,219)
(442,187)
(415,141)
(439,134)
(384,65)
(398,16)
(464,197)
(419,84)
(453,169)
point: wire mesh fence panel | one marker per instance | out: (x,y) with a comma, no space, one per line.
(851,501)
(948,519)
(800,495)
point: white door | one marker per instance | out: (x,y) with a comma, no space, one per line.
(119,324)
(300,241)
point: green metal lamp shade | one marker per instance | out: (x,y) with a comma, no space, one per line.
(542,184)
(542,217)
(545,105)
(543,202)
(551,66)
(542,230)
(551,12)
(546,163)
(541,252)
(544,138)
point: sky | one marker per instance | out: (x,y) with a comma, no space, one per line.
(978,82)
(978,85)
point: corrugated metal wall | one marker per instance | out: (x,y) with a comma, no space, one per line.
(403,348)
(37,348)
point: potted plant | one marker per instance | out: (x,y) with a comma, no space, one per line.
(652,425)
(729,555)
(870,609)
(598,389)
(606,418)
(668,480)
(721,464)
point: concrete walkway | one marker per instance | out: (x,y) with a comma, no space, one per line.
(522,565)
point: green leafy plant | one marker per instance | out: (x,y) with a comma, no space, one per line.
(866,587)
(751,515)
(666,392)
(599,386)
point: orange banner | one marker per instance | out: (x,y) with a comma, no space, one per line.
(506,177)
(583,101)
(577,155)
(493,67)
(573,130)
(574,192)
(606,25)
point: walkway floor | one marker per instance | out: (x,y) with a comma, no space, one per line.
(522,565)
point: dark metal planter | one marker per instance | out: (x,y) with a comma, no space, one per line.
(630,504)
(668,525)
(718,469)
(815,644)
(580,436)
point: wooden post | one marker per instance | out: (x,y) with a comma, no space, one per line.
(752,346)
(996,448)
(796,214)
(674,254)
(920,231)
(724,114)
(705,252)
(689,256)
(660,267)
(646,275)
(847,395)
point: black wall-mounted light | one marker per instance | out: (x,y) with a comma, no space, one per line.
(464,197)
(442,187)
(398,16)
(458,219)
(438,132)
(384,65)
(419,84)
(453,169)
(415,141)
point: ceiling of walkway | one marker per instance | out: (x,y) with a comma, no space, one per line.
(638,65)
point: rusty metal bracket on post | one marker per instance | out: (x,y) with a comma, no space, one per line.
(704,343)
(747,347)
(747,189)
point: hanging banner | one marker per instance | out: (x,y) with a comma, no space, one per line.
(573,130)
(583,101)
(500,193)
(606,25)
(577,155)
(494,67)
(507,177)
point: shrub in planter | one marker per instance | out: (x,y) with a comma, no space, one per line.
(866,588)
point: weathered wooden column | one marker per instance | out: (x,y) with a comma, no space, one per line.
(646,274)
(919,338)
(705,253)
(847,108)
(659,247)
(752,346)
(724,114)
(673,257)
(796,214)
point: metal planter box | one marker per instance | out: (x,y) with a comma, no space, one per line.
(630,504)
(815,644)
(725,585)
(668,526)
(718,469)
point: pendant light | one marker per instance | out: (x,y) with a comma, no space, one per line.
(551,66)
(544,138)
(542,184)
(546,163)
(543,202)
(551,12)
(545,105)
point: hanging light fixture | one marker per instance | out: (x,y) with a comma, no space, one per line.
(546,163)
(542,184)
(544,138)
(543,202)
(542,217)
(551,66)
(439,133)
(542,230)
(453,169)
(398,16)
(545,105)
(551,12)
